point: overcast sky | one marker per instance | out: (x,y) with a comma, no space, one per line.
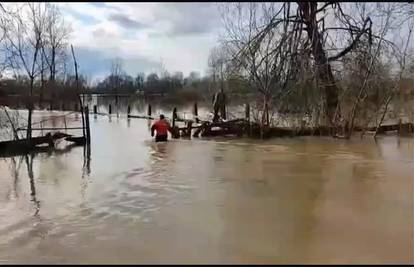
(143,35)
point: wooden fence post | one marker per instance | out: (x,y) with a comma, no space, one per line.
(174,116)
(66,127)
(399,126)
(149,110)
(77,89)
(189,127)
(116,104)
(196,112)
(110,109)
(88,130)
(95,109)
(247,117)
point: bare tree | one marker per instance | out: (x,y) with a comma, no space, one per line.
(116,73)
(54,43)
(56,38)
(264,55)
(297,28)
(217,66)
(219,72)
(24,36)
(401,57)
(3,13)
(359,97)
(372,76)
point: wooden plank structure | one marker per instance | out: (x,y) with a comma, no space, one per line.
(22,146)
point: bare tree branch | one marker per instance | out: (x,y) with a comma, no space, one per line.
(354,42)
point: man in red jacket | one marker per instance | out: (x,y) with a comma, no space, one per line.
(162,127)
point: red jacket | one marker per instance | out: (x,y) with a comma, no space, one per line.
(161,126)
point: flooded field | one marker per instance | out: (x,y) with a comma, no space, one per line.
(287,200)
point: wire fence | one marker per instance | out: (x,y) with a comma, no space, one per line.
(13,123)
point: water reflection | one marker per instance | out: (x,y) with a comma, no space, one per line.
(50,153)
(86,160)
(15,168)
(29,164)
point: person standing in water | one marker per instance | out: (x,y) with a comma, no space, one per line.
(162,127)
(219,105)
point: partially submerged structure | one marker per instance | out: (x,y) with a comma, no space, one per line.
(48,135)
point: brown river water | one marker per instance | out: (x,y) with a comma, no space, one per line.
(286,200)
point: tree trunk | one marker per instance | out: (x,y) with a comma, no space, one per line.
(323,68)
(30,109)
(53,65)
(42,83)
(265,114)
(29,124)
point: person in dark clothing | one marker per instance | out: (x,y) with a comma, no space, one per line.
(162,127)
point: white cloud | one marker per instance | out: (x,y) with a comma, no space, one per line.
(179,34)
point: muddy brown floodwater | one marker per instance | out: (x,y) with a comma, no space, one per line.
(290,200)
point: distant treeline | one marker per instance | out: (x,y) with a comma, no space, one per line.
(177,86)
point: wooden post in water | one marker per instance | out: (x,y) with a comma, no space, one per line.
(174,116)
(50,105)
(110,109)
(66,127)
(223,107)
(88,130)
(399,126)
(77,90)
(95,109)
(247,117)
(189,127)
(29,122)
(116,104)
(149,110)
(196,112)
(82,111)
(129,110)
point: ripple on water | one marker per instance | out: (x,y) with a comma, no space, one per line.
(345,155)
(259,194)
(136,194)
